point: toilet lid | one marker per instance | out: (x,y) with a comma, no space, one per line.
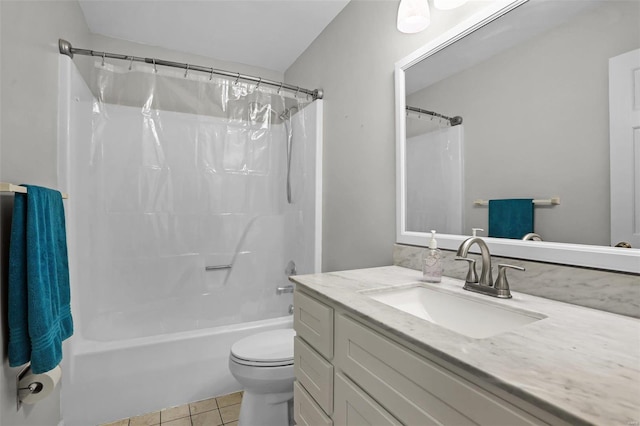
(269,346)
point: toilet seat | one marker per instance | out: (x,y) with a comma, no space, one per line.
(267,349)
(250,363)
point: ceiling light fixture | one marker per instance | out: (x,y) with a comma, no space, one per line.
(413,16)
(448,4)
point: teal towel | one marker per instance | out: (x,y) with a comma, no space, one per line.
(511,218)
(39,313)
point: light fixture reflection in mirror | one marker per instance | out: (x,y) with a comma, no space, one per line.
(413,16)
(573,253)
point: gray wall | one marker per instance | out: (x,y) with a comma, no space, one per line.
(536,123)
(353,61)
(29,32)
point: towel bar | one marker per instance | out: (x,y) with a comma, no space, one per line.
(553,201)
(10,187)
(217,267)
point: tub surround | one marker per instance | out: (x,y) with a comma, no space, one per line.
(578,364)
(614,292)
(151,317)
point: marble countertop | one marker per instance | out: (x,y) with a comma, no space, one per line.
(580,364)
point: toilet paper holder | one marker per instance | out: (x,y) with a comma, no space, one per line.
(34,387)
(31,387)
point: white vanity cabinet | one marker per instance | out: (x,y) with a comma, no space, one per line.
(350,372)
(312,355)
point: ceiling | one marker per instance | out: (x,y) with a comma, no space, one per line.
(263,33)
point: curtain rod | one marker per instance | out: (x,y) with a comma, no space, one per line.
(67,49)
(454,121)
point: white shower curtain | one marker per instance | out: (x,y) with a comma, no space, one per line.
(435,178)
(184,173)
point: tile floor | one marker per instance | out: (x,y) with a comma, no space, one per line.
(221,410)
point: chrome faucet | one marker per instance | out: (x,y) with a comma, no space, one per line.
(485,284)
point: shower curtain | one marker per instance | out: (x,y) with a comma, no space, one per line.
(435,179)
(182,204)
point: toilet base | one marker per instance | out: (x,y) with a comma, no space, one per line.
(271,409)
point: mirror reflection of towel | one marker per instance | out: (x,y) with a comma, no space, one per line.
(510,218)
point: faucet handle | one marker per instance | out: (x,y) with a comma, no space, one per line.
(475,230)
(472,276)
(502,285)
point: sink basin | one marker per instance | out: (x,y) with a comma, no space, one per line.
(471,317)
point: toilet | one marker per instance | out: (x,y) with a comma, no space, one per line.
(263,364)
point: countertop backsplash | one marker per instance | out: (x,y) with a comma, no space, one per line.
(614,292)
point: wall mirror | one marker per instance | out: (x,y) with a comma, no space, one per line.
(514,102)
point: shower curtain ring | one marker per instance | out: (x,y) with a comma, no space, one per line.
(237,79)
(131,63)
(280,88)
(259,81)
(186,71)
(103,55)
(211,75)
(296,94)
(155,68)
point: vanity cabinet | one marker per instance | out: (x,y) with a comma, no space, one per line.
(365,376)
(312,355)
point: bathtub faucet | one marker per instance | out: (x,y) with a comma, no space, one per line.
(284,289)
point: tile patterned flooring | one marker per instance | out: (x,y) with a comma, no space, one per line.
(222,410)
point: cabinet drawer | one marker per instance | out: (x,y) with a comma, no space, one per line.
(313,321)
(314,373)
(412,388)
(354,407)
(305,411)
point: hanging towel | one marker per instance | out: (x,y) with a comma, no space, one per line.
(39,313)
(511,218)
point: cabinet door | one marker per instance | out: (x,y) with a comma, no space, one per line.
(305,410)
(353,407)
(314,373)
(313,321)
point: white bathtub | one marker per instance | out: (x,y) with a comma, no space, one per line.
(107,381)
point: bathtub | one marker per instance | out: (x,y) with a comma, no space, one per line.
(111,380)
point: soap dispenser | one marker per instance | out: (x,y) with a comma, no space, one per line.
(432,262)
